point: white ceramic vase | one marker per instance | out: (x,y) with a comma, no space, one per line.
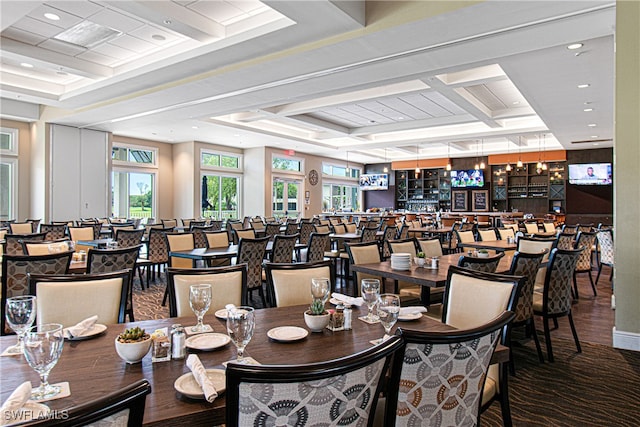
(316,322)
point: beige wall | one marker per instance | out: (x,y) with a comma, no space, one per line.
(24,167)
(627,175)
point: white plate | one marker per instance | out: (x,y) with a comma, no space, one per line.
(287,333)
(221,314)
(336,301)
(188,386)
(409,316)
(207,341)
(91,333)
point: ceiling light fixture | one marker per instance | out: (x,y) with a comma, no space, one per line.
(508,167)
(519,164)
(347,169)
(592,125)
(26,65)
(482,165)
(477,166)
(574,46)
(583,86)
(52,16)
(385,169)
(417,162)
(448,156)
(539,164)
(544,151)
(158,37)
(586,110)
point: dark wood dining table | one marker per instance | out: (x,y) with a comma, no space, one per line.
(93,368)
(222,252)
(496,245)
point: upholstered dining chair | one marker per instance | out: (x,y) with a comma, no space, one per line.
(570,229)
(271,229)
(169,223)
(338,228)
(605,243)
(15,269)
(228,286)
(290,283)
(487,265)
(124,407)
(549,227)
(69,299)
(283,248)
(45,247)
(81,233)
(422,393)
(369,234)
(217,239)
(252,252)
(319,244)
(216,224)
(21,228)
(157,253)
(95,226)
(474,298)
(13,242)
(431,246)
(585,240)
(506,232)
(390,233)
(526,265)
(318,392)
(127,238)
(351,227)
(199,238)
(555,299)
(54,231)
(306,228)
(531,227)
(487,234)
(566,241)
(257,225)
(535,245)
(180,242)
(245,233)
(463,237)
(110,260)
(363,253)
(291,228)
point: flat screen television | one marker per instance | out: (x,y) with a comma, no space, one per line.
(590,174)
(374,181)
(467,178)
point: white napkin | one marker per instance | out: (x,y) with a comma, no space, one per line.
(82,327)
(15,402)
(405,311)
(349,300)
(200,374)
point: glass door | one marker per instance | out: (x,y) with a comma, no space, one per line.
(286,197)
(132,194)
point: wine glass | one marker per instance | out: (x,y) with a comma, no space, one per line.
(388,310)
(240,324)
(370,291)
(42,349)
(20,314)
(199,300)
(320,289)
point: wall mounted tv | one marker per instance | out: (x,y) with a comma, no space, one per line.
(374,181)
(590,174)
(467,178)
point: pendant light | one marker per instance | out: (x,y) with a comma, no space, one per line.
(448,157)
(508,167)
(482,165)
(347,170)
(386,169)
(417,163)
(477,166)
(544,150)
(519,164)
(539,164)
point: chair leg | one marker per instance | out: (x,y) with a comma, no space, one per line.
(547,337)
(536,340)
(166,295)
(599,271)
(575,286)
(555,323)
(593,285)
(504,396)
(261,293)
(575,334)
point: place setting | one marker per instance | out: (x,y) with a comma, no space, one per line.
(199,300)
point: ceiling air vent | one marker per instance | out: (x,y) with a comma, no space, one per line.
(591,141)
(87,34)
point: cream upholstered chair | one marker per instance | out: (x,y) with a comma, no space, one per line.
(549,227)
(69,299)
(555,299)
(81,233)
(180,242)
(323,393)
(45,247)
(605,244)
(13,242)
(430,246)
(464,237)
(217,239)
(506,232)
(423,393)
(487,234)
(351,227)
(531,227)
(585,240)
(472,299)
(533,245)
(199,238)
(15,269)
(20,228)
(228,286)
(363,253)
(169,223)
(257,225)
(290,284)
(245,233)
(338,228)
(322,229)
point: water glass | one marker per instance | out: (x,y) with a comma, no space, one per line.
(199,300)
(388,310)
(20,313)
(42,348)
(370,289)
(240,324)
(320,288)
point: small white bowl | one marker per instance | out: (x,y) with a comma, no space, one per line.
(483,254)
(133,352)
(316,323)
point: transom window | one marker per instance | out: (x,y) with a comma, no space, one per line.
(340,171)
(8,173)
(285,164)
(133,155)
(219,160)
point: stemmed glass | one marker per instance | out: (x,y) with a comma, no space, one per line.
(388,310)
(240,324)
(370,292)
(320,289)
(20,313)
(42,349)
(199,300)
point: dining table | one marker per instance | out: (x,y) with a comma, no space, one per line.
(92,368)
(230,251)
(496,245)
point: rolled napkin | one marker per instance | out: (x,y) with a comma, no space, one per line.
(200,375)
(349,300)
(15,402)
(405,311)
(82,327)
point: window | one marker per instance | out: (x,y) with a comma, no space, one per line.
(286,197)
(283,164)
(340,171)
(340,197)
(220,195)
(219,160)
(132,183)
(8,173)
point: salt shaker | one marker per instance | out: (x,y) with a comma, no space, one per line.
(178,350)
(347,316)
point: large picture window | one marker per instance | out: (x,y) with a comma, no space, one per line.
(340,197)
(8,173)
(220,196)
(133,181)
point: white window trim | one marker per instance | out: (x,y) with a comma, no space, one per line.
(128,164)
(154,190)
(13,161)
(238,170)
(225,172)
(15,133)
(288,172)
(340,165)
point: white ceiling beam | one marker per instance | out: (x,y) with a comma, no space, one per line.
(336,129)
(413,124)
(45,58)
(183,20)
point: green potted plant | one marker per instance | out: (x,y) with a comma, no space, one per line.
(316,317)
(133,344)
(483,253)
(420,259)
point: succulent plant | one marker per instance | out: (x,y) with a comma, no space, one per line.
(317,307)
(133,335)
(483,251)
(421,255)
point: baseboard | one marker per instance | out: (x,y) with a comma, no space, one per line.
(626,340)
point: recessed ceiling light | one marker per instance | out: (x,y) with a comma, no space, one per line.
(516,103)
(194,127)
(587,109)
(61,73)
(595,143)
(574,46)
(592,125)
(158,37)
(582,86)
(52,16)
(594,136)
(26,65)
(237,135)
(400,118)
